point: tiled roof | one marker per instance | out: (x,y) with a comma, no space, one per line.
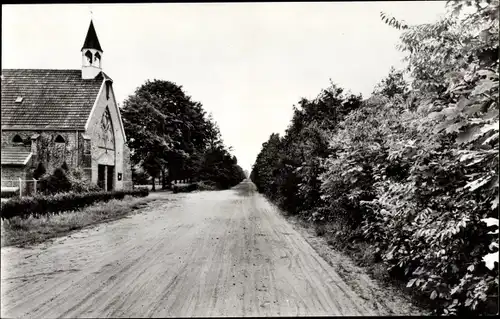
(51,99)
(16,155)
(91,41)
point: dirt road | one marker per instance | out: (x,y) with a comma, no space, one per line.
(227,253)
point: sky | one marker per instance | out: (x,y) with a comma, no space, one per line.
(247,63)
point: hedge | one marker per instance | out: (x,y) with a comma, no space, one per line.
(8,193)
(40,205)
(184,188)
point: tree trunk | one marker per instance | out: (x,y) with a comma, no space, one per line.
(163,186)
(169,182)
(154,187)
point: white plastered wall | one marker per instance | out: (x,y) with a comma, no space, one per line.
(93,129)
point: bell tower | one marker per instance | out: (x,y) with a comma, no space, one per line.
(91,55)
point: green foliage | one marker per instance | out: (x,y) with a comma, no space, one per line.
(140,176)
(64,166)
(218,166)
(394,84)
(287,169)
(185,188)
(413,170)
(64,181)
(206,186)
(40,205)
(8,193)
(39,171)
(58,182)
(79,183)
(393,22)
(168,133)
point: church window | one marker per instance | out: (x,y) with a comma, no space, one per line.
(107,136)
(17,139)
(59,139)
(97,59)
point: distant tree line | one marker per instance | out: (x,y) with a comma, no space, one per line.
(413,169)
(171,138)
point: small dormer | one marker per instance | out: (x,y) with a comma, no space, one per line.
(91,54)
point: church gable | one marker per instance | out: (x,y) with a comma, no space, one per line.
(105,107)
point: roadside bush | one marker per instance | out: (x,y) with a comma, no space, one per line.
(140,177)
(79,183)
(64,166)
(206,186)
(40,205)
(184,188)
(58,182)
(39,171)
(8,193)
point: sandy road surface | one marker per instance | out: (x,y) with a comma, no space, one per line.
(203,254)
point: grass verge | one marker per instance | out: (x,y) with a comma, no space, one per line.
(28,231)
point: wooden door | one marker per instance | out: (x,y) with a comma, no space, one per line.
(101,171)
(111,178)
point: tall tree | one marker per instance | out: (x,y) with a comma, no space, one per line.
(171,136)
(165,128)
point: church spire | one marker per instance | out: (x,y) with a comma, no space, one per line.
(91,41)
(91,54)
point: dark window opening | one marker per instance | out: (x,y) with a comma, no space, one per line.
(97,56)
(88,54)
(107,90)
(59,139)
(17,139)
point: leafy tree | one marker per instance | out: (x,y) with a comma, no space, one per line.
(172,136)
(393,84)
(287,169)
(164,127)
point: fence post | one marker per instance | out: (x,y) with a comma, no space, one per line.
(20,187)
(34,187)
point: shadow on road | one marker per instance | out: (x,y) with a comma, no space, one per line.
(245,188)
